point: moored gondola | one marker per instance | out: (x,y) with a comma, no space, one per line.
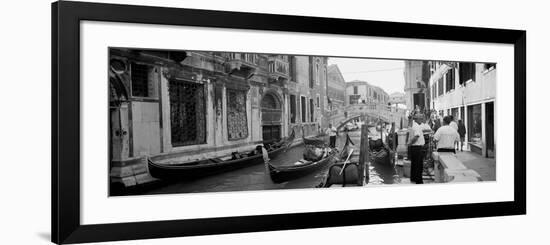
(345,171)
(302,167)
(200,168)
(298,169)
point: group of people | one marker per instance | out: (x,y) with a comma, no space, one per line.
(448,138)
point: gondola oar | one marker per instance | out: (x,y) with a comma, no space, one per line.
(346,162)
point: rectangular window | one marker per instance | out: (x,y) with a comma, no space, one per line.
(237,125)
(304,108)
(311,73)
(355,90)
(311,110)
(467,71)
(187,113)
(143,81)
(293,108)
(450,80)
(318,101)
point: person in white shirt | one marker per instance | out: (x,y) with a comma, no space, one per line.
(416,142)
(332,132)
(446,136)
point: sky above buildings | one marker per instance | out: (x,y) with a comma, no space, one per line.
(387,74)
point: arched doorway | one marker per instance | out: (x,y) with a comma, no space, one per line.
(271,117)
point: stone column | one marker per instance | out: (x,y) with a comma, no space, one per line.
(466,124)
(483,131)
(210,113)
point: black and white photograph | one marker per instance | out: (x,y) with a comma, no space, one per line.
(195,121)
(280,122)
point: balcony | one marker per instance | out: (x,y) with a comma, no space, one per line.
(279,68)
(242,64)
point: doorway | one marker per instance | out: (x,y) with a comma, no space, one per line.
(271,118)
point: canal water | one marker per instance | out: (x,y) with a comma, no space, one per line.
(256,177)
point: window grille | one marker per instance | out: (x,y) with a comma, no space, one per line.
(187,113)
(237,126)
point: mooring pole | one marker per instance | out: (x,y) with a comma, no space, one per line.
(364,155)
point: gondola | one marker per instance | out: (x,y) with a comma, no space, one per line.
(380,153)
(343,172)
(300,168)
(205,167)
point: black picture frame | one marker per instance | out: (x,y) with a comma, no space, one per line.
(66,18)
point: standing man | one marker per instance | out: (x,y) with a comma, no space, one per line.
(446,136)
(416,147)
(462,134)
(332,132)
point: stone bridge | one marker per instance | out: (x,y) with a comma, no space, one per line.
(370,112)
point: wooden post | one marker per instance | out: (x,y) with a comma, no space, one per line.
(364,155)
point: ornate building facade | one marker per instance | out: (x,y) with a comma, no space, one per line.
(192,105)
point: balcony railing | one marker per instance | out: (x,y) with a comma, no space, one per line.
(279,65)
(250,59)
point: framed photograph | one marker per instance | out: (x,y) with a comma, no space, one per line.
(174,122)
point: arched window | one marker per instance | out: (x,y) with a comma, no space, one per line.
(270,102)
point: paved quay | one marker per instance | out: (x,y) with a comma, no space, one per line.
(485,167)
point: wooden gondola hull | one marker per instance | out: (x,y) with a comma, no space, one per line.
(206,168)
(283,174)
(189,173)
